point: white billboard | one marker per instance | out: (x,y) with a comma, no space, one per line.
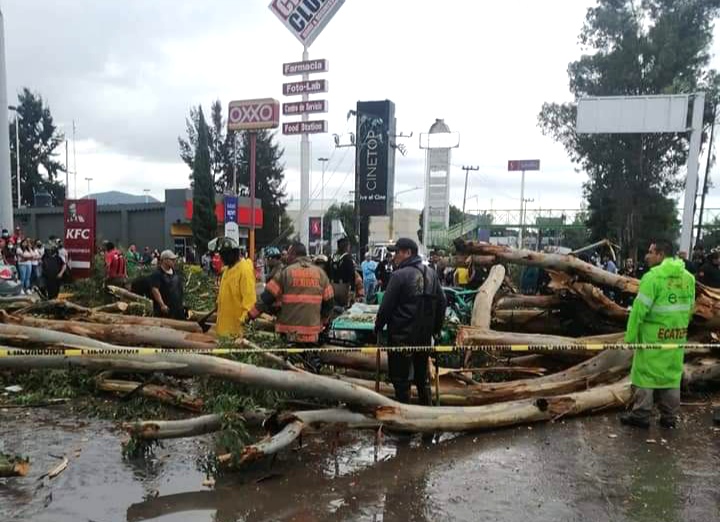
(305,19)
(633,114)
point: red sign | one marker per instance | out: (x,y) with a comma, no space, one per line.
(315,229)
(243,214)
(517,165)
(254,114)
(79,238)
(308,87)
(305,127)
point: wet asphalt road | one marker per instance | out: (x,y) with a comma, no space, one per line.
(588,468)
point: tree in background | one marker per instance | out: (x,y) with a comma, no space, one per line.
(226,148)
(345,212)
(204,223)
(220,145)
(635,48)
(39,139)
(270,187)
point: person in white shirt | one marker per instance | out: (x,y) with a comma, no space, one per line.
(25,256)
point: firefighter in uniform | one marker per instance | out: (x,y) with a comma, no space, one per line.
(660,314)
(305,295)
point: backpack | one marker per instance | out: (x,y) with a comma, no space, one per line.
(425,321)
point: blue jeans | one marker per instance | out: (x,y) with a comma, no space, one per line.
(369,289)
(25,271)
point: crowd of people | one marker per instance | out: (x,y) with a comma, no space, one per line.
(38,267)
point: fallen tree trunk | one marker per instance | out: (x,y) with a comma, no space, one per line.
(175,429)
(127,295)
(563,263)
(530,301)
(420,418)
(591,295)
(482,307)
(169,396)
(126,335)
(356,361)
(118,307)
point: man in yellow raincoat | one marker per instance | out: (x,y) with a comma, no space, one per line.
(660,314)
(236,295)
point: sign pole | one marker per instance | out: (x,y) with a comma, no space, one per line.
(251,234)
(522,204)
(305,168)
(691,183)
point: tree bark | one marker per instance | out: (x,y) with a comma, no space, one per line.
(127,295)
(482,308)
(530,301)
(118,307)
(559,262)
(125,335)
(162,394)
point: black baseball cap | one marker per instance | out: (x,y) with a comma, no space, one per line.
(404,243)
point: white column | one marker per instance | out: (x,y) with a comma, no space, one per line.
(691,183)
(305,171)
(6,205)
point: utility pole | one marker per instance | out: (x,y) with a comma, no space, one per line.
(467,171)
(324,162)
(6,203)
(67,171)
(523,210)
(707,178)
(74,162)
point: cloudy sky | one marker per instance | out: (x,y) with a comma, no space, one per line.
(127,73)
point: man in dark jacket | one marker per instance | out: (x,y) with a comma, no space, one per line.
(709,272)
(413,309)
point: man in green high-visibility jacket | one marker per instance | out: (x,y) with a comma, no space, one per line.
(660,314)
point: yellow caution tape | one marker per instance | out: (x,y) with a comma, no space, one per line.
(6,351)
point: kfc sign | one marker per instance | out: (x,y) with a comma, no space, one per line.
(305,19)
(80,235)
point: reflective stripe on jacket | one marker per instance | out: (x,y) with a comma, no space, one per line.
(660,314)
(306,299)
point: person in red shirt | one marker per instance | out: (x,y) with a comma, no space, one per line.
(115,266)
(17,237)
(217,264)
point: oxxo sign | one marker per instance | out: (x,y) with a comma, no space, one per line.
(257,114)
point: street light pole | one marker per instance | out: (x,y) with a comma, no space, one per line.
(467,171)
(324,162)
(88,181)
(17,150)
(146,191)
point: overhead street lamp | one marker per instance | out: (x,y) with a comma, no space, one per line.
(146,191)
(88,181)
(17,149)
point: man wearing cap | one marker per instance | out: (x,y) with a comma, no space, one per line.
(166,287)
(413,310)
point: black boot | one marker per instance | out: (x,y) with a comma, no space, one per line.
(402,392)
(628,419)
(425,395)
